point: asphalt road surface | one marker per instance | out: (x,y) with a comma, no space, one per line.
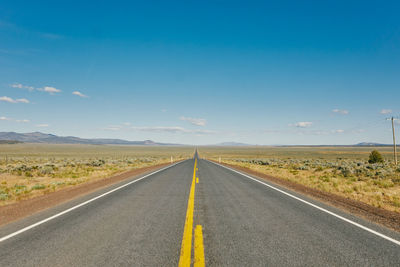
(200,213)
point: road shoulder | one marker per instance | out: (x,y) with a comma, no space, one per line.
(377,215)
(24,208)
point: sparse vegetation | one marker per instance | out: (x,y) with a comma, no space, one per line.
(375,157)
(9,142)
(28,170)
(345,171)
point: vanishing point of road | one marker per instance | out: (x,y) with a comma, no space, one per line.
(196,213)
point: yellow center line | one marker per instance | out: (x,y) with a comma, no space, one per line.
(198,247)
(197,180)
(186,247)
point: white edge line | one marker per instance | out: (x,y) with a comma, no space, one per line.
(82,204)
(316,206)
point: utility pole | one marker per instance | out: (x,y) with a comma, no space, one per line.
(394,143)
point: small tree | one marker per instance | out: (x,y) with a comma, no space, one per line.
(375,157)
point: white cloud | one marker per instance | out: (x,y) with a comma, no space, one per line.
(386,111)
(3,118)
(79,94)
(302,124)
(171,129)
(14,101)
(42,125)
(22,121)
(164,110)
(17,85)
(338,131)
(341,111)
(7,99)
(49,89)
(22,100)
(21,86)
(194,121)
(127,123)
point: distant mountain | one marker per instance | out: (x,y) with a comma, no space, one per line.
(38,137)
(232,144)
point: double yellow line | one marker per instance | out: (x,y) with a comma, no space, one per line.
(186,247)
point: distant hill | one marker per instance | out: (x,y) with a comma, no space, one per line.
(371,144)
(362,144)
(232,144)
(38,137)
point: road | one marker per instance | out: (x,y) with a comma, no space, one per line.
(201,213)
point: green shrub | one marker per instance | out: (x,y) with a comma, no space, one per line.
(319,169)
(20,189)
(346,172)
(375,157)
(38,187)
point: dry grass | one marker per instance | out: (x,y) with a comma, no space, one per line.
(28,170)
(344,171)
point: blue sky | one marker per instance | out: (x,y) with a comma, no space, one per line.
(202,72)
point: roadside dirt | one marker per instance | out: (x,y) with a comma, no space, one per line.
(15,211)
(384,217)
